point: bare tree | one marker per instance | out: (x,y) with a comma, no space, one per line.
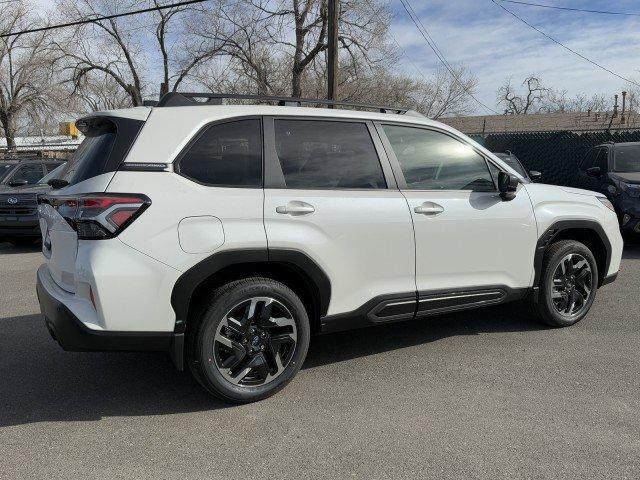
(437,95)
(559,101)
(126,49)
(25,69)
(111,47)
(276,40)
(239,31)
(95,92)
(522,103)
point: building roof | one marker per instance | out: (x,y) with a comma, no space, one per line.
(52,142)
(544,122)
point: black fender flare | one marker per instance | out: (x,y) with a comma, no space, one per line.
(555,229)
(201,271)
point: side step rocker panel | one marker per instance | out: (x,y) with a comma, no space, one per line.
(414,305)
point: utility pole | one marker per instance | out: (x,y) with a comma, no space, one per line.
(332,50)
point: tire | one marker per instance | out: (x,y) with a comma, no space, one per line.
(554,305)
(222,337)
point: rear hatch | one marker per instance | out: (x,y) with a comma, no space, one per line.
(107,141)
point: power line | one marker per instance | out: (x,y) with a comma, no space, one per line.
(432,44)
(584,10)
(557,42)
(106,17)
(405,55)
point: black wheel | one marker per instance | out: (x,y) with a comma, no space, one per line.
(568,283)
(251,340)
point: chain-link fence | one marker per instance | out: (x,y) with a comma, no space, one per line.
(555,154)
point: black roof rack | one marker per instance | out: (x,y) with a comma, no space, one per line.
(180,99)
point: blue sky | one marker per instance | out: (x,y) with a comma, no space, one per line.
(494,45)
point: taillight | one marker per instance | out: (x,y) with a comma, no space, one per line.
(98,215)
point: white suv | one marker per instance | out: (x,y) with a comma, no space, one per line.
(227,235)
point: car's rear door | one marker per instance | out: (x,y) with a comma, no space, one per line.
(472,247)
(330,193)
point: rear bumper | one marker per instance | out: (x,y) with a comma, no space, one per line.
(72,335)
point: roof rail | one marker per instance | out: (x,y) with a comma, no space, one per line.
(180,99)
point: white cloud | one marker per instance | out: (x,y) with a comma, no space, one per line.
(495,45)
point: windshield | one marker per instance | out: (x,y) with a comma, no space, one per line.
(513,162)
(627,159)
(52,174)
(5,169)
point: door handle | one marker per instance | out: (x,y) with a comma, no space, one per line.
(296,207)
(429,208)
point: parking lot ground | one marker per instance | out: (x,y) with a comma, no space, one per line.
(482,394)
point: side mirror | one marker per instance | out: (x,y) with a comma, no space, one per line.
(594,172)
(507,185)
(535,176)
(57,183)
(18,183)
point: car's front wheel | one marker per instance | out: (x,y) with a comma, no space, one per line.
(568,283)
(251,340)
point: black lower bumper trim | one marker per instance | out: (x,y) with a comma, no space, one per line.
(72,335)
(609,279)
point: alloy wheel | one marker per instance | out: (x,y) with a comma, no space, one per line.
(572,285)
(255,342)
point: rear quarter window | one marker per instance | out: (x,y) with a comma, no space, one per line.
(226,155)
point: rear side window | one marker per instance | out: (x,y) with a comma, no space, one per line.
(323,154)
(84,163)
(226,155)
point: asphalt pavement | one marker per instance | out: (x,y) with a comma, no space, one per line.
(485,394)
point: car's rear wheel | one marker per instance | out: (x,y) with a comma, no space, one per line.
(568,283)
(251,340)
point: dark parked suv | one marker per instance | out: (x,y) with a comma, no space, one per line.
(20,183)
(614,169)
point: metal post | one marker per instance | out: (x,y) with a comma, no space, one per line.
(332,50)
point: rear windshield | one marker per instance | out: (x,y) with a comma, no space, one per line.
(83,164)
(627,159)
(5,169)
(107,141)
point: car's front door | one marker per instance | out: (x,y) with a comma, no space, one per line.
(327,196)
(472,248)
